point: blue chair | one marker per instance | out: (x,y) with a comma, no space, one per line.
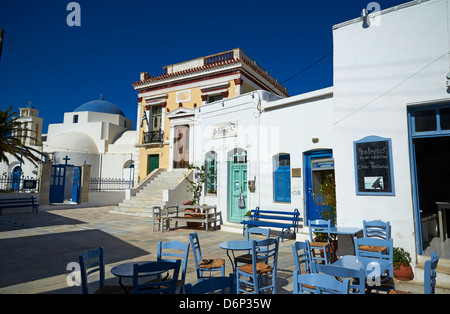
(92,261)
(378,249)
(212,285)
(302,255)
(172,251)
(319,284)
(205,265)
(263,266)
(430,274)
(323,227)
(356,277)
(168,286)
(377,229)
(247,258)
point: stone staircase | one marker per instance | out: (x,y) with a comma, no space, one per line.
(156,192)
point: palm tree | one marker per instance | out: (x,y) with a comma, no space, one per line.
(12,137)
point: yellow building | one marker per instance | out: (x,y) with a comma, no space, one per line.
(166,103)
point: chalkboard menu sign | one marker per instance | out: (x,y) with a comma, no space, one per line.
(373,166)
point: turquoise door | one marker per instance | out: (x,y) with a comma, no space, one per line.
(237,183)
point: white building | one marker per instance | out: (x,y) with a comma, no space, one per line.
(390,81)
(11,173)
(384,128)
(262,144)
(98,134)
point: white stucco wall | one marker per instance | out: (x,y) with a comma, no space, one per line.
(378,72)
(288,126)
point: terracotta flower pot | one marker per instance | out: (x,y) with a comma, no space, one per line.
(403,273)
(193,215)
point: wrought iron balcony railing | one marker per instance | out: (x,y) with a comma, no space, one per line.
(153,137)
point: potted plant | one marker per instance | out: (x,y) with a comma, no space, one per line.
(402,264)
(325,197)
(247,215)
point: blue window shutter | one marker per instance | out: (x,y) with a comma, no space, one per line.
(282,179)
(287,184)
(278,181)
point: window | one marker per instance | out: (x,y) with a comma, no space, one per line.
(211,172)
(75,118)
(282,178)
(431,119)
(213,98)
(156,118)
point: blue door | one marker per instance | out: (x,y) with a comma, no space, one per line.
(16,178)
(76,185)
(312,208)
(57,184)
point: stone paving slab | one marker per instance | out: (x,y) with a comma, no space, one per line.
(36,248)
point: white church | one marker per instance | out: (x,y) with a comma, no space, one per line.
(96,133)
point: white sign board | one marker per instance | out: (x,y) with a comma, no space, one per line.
(225,129)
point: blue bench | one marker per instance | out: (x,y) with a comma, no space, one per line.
(19,202)
(286,221)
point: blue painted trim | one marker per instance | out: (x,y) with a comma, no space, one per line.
(307,157)
(374,138)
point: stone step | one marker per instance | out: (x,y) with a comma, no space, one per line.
(151,194)
(442,271)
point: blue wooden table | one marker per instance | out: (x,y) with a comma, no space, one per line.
(373,268)
(126,271)
(237,245)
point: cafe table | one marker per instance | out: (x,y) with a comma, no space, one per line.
(373,268)
(126,271)
(236,245)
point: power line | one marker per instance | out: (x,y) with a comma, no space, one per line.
(67,73)
(308,67)
(46,70)
(389,90)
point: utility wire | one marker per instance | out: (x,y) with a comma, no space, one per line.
(67,73)
(46,70)
(307,68)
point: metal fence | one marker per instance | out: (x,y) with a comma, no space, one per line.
(107,184)
(12,183)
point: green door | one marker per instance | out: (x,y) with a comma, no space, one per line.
(153,163)
(237,182)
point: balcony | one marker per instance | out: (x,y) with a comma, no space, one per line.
(153,137)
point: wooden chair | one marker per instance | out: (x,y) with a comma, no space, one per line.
(378,249)
(429,276)
(377,229)
(263,266)
(92,261)
(159,218)
(247,258)
(156,287)
(320,226)
(302,256)
(172,251)
(357,277)
(204,265)
(213,284)
(319,284)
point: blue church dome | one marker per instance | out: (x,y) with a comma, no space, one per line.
(101,105)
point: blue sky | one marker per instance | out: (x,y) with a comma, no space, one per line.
(58,68)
